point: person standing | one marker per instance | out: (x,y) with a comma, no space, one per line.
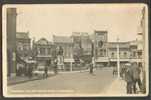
(30,69)
(136,77)
(91,68)
(46,71)
(55,66)
(114,70)
(129,78)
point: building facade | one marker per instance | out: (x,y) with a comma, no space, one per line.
(81,47)
(23,44)
(101,48)
(67,45)
(124,52)
(44,51)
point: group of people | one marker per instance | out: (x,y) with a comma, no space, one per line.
(132,77)
(131,73)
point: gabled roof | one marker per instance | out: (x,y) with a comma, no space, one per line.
(22,35)
(62,39)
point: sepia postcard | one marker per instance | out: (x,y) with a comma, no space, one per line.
(75,50)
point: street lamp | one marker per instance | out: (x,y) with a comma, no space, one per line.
(118,59)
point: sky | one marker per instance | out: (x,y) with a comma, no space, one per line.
(42,21)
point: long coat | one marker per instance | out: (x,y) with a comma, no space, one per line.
(129,75)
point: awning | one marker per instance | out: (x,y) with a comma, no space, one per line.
(69,60)
(102,59)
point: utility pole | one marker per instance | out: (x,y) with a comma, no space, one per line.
(118,59)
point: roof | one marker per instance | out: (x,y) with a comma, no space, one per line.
(134,43)
(22,35)
(43,41)
(101,31)
(62,39)
(76,34)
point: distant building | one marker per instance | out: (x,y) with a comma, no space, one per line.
(76,37)
(100,47)
(86,45)
(23,44)
(67,45)
(106,52)
(124,52)
(45,51)
(77,50)
(11,40)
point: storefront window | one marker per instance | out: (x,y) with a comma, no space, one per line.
(112,55)
(125,54)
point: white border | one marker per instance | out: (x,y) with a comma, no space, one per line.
(4,57)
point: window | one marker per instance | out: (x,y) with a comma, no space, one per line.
(104,52)
(101,52)
(134,54)
(49,51)
(112,54)
(125,54)
(42,51)
(19,47)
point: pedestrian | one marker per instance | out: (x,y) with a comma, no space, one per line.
(55,66)
(46,71)
(91,68)
(128,78)
(46,68)
(122,73)
(136,77)
(114,70)
(30,69)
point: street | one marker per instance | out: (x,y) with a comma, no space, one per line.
(79,82)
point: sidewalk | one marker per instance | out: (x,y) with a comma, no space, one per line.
(19,79)
(118,87)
